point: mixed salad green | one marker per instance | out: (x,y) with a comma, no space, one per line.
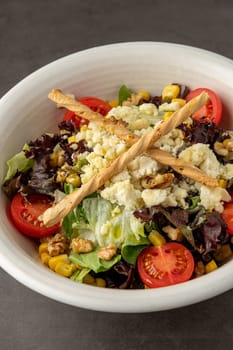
(148,226)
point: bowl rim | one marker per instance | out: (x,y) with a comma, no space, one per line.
(147,300)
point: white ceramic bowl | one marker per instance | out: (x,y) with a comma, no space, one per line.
(25,112)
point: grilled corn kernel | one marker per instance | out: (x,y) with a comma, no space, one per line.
(113,103)
(72,139)
(181,101)
(170,91)
(100,282)
(45,257)
(167,115)
(84,128)
(222,183)
(223,254)
(57,259)
(43,248)
(57,159)
(145,95)
(63,269)
(211,266)
(225,142)
(156,238)
(89,279)
(74,180)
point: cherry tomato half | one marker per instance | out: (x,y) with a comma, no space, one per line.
(96,104)
(168,264)
(227,216)
(25,214)
(212,110)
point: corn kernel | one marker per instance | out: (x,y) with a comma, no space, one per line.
(84,128)
(113,103)
(145,95)
(156,238)
(211,266)
(72,139)
(63,269)
(170,91)
(43,248)
(89,279)
(45,257)
(222,183)
(57,259)
(100,282)
(181,101)
(167,115)
(74,180)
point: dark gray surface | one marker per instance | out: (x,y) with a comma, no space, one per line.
(33,33)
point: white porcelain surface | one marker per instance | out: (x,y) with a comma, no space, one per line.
(25,113)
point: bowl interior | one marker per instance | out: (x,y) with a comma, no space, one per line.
(25,113)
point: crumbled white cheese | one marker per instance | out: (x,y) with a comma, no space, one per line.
(105,149)
(203,157)
(142,166)
(171,142)
(169,107)
(176,197)
(227,171)
(122,193)
(154,196)
(137,117)
(214,198)
(148,109)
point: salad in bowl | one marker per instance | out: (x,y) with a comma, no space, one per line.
(130,193)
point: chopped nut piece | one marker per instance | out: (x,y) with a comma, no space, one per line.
(199,269)
(107,253)
(81,245)
(173,233)
(158,180)
(135,99)
(220,149)
(57,245)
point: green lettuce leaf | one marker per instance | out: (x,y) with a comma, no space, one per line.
(111,224)
(93,262)
(79,275)
(132,248)
(124,94)
(18,163)
(76,219)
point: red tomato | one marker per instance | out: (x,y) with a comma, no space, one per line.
(168,264)
(96,104)
(227,216)
(212,111)
(25,214)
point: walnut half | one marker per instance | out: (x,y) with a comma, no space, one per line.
(57,244)
(157,181)
(107,253)
(81,245)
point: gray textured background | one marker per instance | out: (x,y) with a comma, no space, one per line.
(34,33)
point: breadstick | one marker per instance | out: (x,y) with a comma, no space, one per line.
(62,208)
(110,125)
(118,128)
(182,167)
